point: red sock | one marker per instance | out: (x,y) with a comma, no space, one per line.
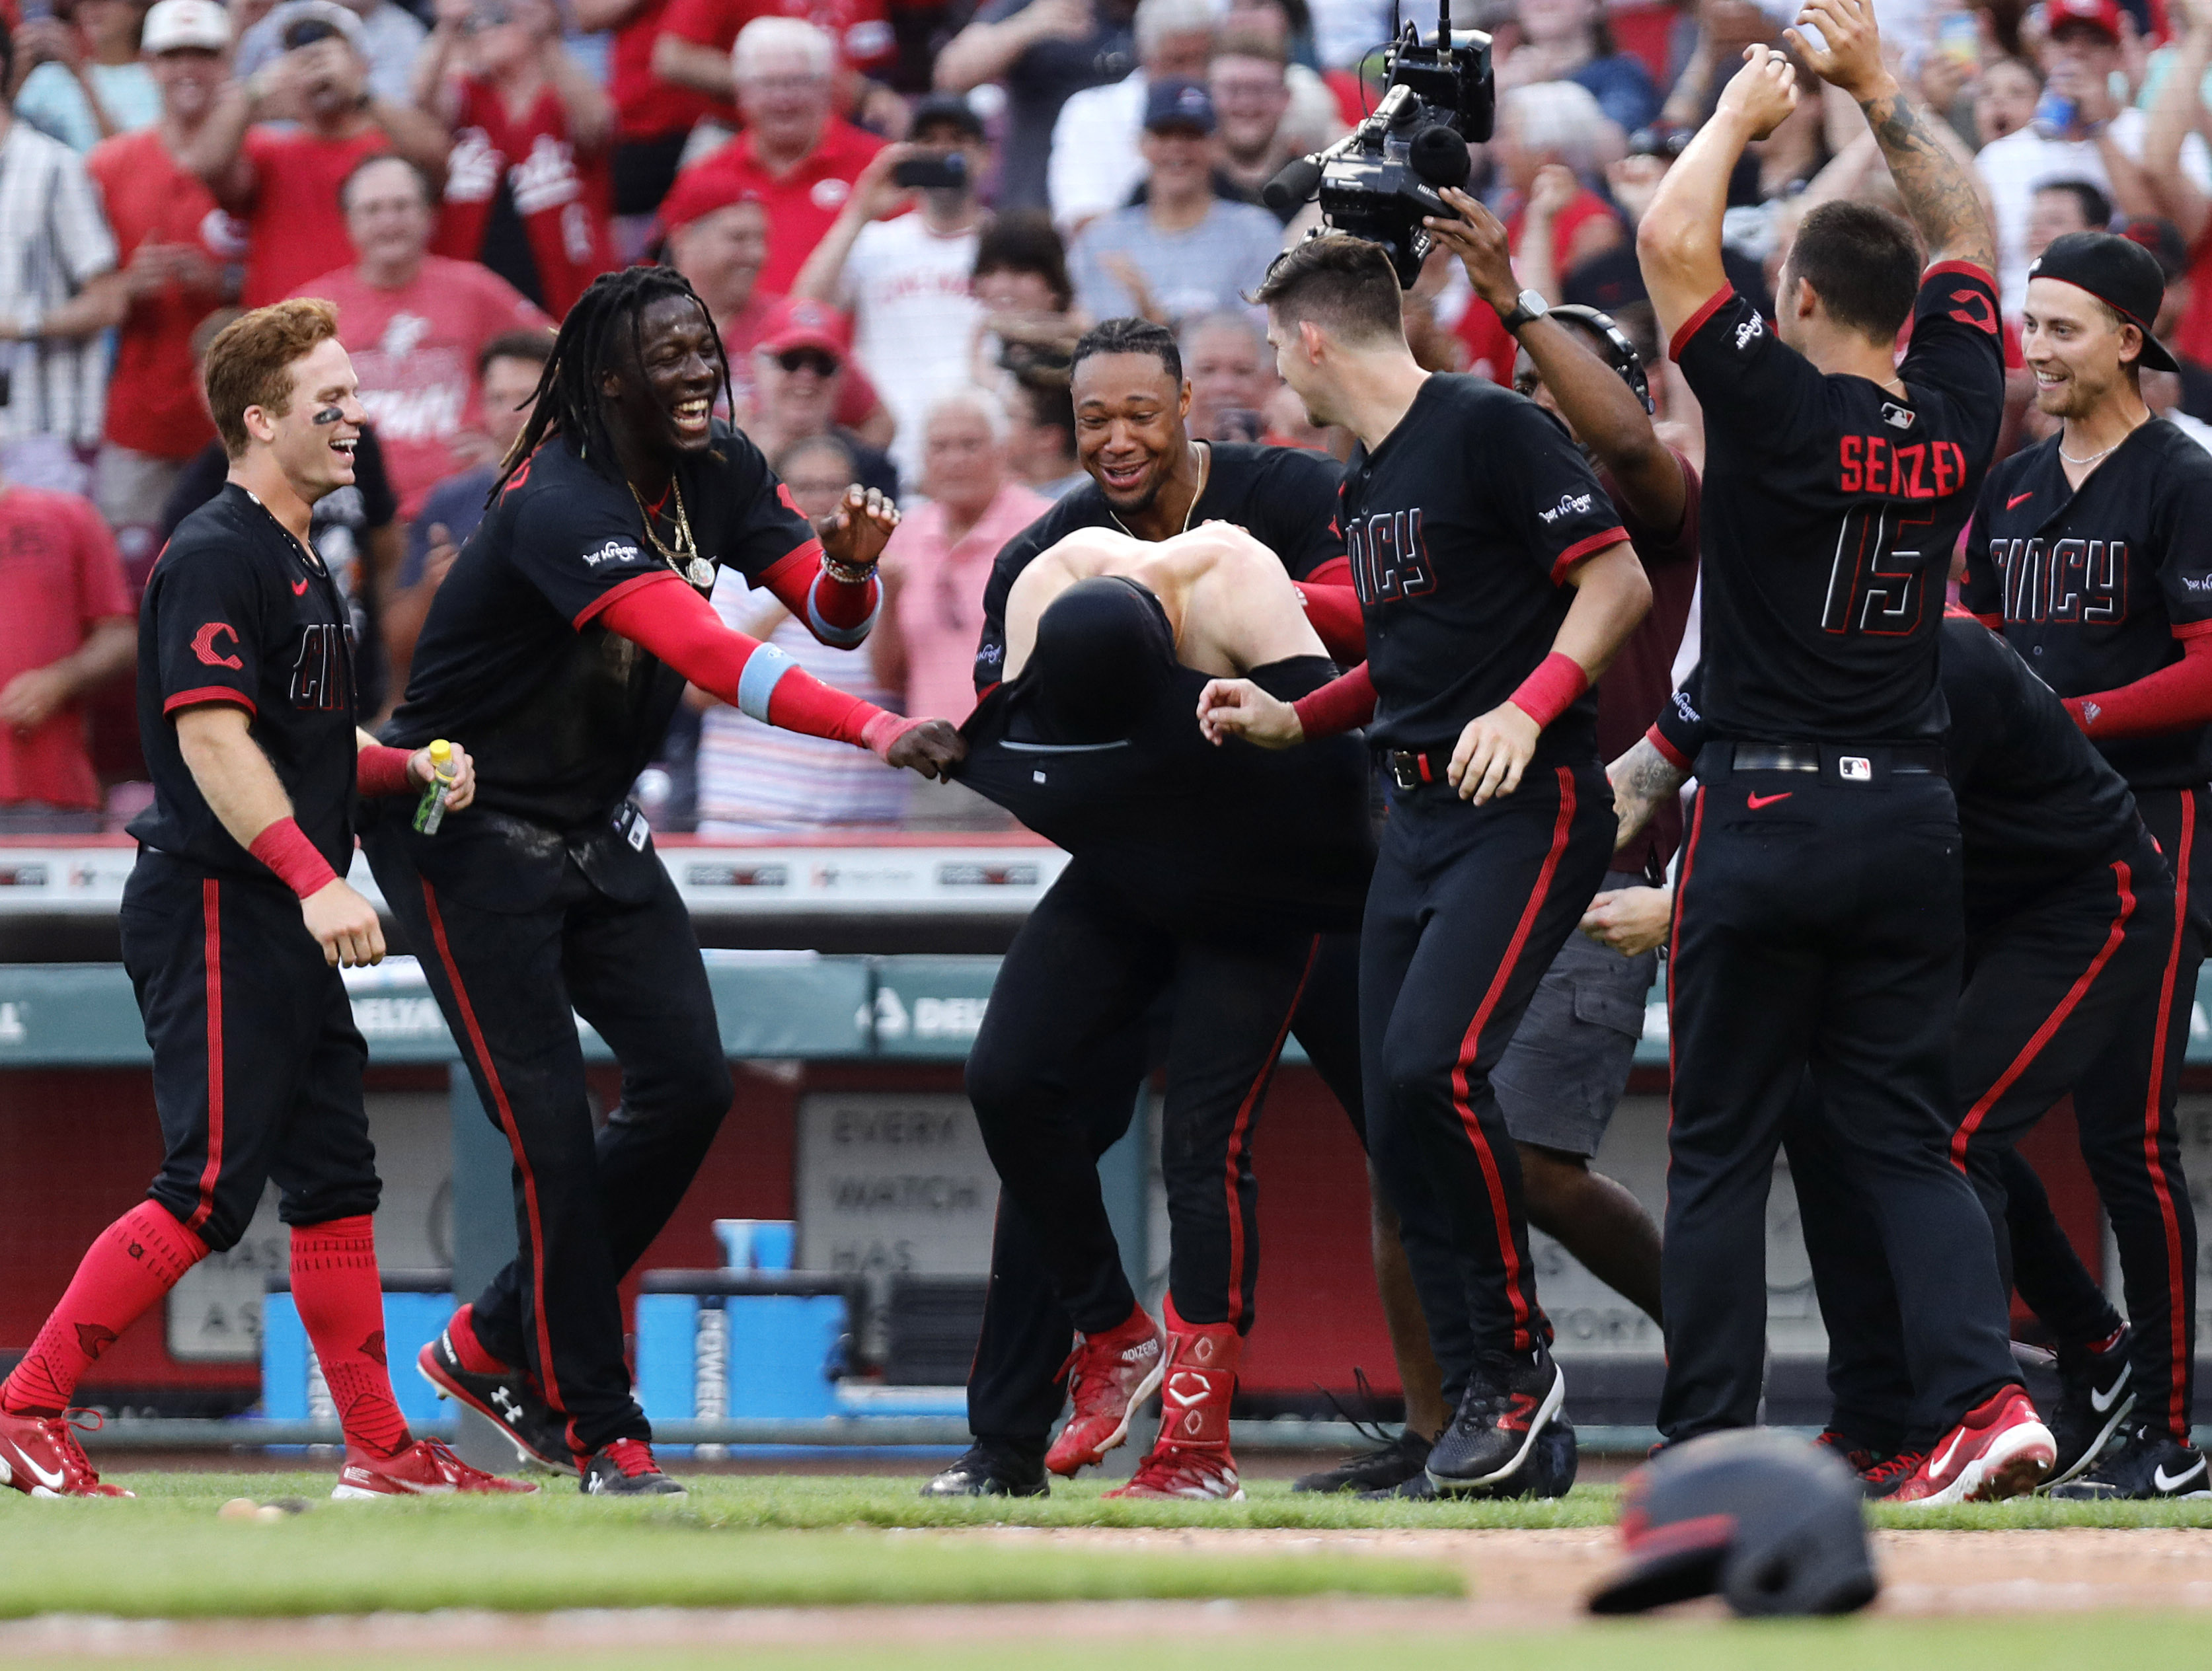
(131,1265)
(461,1330)
(341,1301)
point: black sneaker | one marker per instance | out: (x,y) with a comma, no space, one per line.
(626,1468)
(1372,1472)
(507,1399)
(1415,1490)
(2141,1467)
(989,1470)
(2096,1395)
(1501,1415)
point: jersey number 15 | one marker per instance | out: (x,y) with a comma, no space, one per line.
(1874,582)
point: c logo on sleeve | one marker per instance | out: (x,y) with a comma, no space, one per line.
(1974,309)
(203,645)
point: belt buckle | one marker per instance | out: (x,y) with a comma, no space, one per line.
(1405,770)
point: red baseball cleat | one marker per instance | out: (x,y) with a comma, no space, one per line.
(39,1456)
(1109,1374)
(426,1468)
(1191,1458)
(2001,1448)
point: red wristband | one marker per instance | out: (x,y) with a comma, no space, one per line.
(285,848)
(382,771)
(1342,705)
(884,729)
(1550,691)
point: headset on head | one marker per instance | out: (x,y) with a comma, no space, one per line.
(1613,342)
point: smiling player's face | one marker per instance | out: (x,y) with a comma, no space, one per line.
(1129,428)
(313,437)
(663,397)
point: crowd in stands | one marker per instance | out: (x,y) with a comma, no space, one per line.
(900,214)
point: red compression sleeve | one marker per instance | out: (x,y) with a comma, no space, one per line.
(1334,613)
(285,848)
(2174,698)
(1342,705)
(1550,691)
(835,611)
(382,771)
(680,627)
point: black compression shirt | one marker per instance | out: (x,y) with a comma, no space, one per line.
(1832,505)
(2097,587)
(1282,496)
(2038,804)
(236,612)
(560,713)
(1461,527)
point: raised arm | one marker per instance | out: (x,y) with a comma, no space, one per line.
(1678,242)
(1936,184)
(2175,114)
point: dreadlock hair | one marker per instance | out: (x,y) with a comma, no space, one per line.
(568,399)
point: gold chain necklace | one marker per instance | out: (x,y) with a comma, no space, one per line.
(685,559)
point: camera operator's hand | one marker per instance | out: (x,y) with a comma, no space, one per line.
(1492,752)
(1762,93)
(1238,708)
(1478,238)
(1852,59)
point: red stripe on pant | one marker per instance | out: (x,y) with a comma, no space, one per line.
(483,1052)
(1237,1139)
(1516,1278)
(2177,1415)
(211,910)
(1964,1136)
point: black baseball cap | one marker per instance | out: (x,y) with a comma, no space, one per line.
(1178,104)
(945,110)
(2120,273)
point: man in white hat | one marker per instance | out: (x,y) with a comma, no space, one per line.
(172,242)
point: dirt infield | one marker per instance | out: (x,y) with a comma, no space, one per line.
(1521,1581)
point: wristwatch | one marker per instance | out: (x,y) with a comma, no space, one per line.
(1526,307)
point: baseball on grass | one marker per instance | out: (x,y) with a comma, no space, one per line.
(269,1514)
(238,1508)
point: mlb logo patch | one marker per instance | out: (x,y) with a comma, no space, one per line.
(1896,416)
(1855,768)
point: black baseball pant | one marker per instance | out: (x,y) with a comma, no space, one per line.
(587,1203)
(1084,970)
(1468,907)
(256,1063)
(2049,984)
(2047,1274)
(1819,924)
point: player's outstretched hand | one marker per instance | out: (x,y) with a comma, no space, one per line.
(1851,54)
(857,531)
(1493,751)
(929,747)
(460,792)
(1631,921)
(1763,93)
(1478,238)
(344,925)
(1238,708)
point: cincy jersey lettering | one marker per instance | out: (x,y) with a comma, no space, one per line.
(1389,559)
(319,681)
(2067,581)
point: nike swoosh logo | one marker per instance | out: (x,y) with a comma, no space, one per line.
(298,588)
(2161,1479)
(1755,802)
(1942,1465)
(2017,497)
(52,1481)
(2104,1401)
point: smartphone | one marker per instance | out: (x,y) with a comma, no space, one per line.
(1959,36)
(2055,116)
(948,173)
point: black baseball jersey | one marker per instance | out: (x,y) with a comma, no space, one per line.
(1282,497)
(1461,527)
(560,713)
(237,610)
(2095,588)
(1831,507)
(2038,804)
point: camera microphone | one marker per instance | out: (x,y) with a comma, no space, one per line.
(1439,156)
(1295,182)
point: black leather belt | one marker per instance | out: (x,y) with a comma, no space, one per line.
(1849,762)
(1409,769)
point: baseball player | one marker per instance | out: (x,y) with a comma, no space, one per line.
(1496,581)
(2092,552)
(235,922)
(1818,916)
(560,645)
(1150,479)
(2069,913)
